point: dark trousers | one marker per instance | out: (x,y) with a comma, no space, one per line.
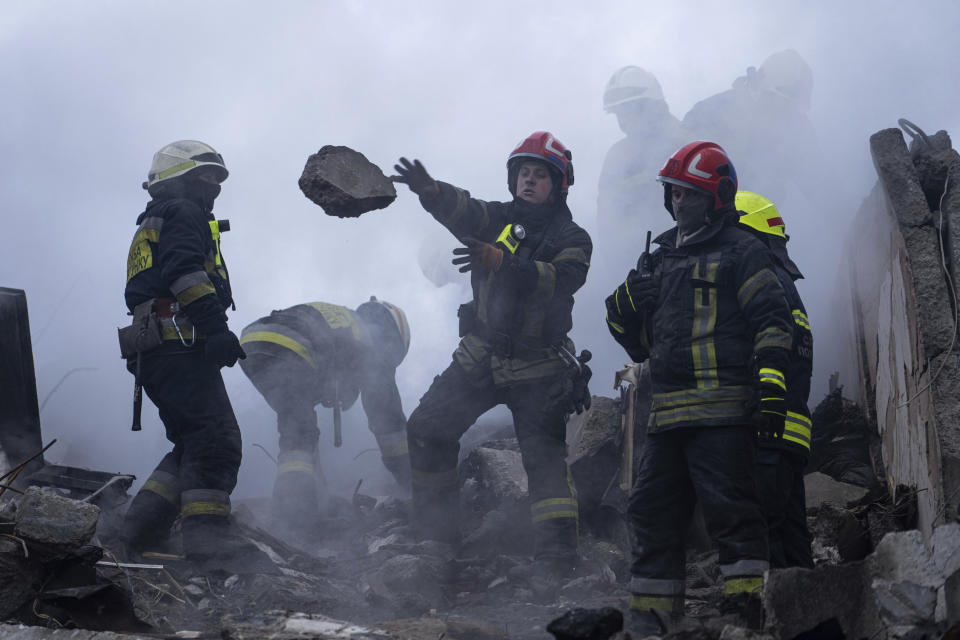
(291,388)
(450,406)
(783,498)
(678,468)
(199,421)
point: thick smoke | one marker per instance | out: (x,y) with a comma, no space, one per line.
(91,92)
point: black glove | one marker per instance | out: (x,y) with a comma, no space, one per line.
(223,349)
(638,294)
(477,254)
(416,177)
(772,412)
(581,395)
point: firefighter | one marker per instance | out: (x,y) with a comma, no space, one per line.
(321,353)
(764,118)
(651,132)
(178,291)
(708,312)
(781,460)
(526,259)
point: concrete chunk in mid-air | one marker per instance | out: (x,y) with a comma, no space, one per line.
(344,183)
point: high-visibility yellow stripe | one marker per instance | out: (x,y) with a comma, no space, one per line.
(702,344)
(752,584)
(715,411)
(553,508)
(645,603)
(572,253)
(738,393)
(279,339)
(169,494)
(773,376)
(614,325)
(195,292)
(205,509)
(772,338)
(753,284)
(295,465)
(183,166)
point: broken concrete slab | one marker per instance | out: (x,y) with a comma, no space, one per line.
(24,632)
(20,577)
(46,517)
(587,624)
(822,489)
(344,183)
(797,600)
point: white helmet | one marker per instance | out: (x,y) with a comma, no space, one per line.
(377,312)
(789,75)
(629,84)
(181,157)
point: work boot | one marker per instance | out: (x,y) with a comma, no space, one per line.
(643,624)
(545,576)
(745,608)
(295,502)
(211,544)
(146,525)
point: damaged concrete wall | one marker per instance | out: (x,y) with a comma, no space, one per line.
(904,320)
(19,413)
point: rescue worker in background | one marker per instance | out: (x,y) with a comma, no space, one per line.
(762,120)
(782,460)
(177,279)
(321,353)
(708,312)
(526,259)
(651,132)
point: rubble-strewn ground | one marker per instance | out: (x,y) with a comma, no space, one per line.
(363,574)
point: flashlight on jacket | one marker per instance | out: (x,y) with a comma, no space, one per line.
(511,237)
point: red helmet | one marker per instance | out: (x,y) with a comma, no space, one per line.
(703,166)
(541,145)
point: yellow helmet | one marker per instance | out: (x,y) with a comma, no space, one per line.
(759,213)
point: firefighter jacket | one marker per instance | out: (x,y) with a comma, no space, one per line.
(717,322)
(337,345)
(798,427)
(175,254)
(522,312)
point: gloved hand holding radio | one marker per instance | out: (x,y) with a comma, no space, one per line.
(415,176)
(223,349)
(477,255)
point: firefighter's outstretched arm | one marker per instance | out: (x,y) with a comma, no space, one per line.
(415,176)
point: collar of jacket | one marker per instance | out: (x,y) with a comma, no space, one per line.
(537,217)
(156,202)
(725,217)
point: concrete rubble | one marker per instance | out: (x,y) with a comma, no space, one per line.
(344,183)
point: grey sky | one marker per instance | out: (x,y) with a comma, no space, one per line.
(92,89)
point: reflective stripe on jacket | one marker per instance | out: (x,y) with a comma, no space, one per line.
(337,345)
(174,254)
(720,317)
(530,298)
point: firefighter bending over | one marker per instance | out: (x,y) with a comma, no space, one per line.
(526,259)
(321,353)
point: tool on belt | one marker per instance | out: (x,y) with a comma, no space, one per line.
(337,424)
